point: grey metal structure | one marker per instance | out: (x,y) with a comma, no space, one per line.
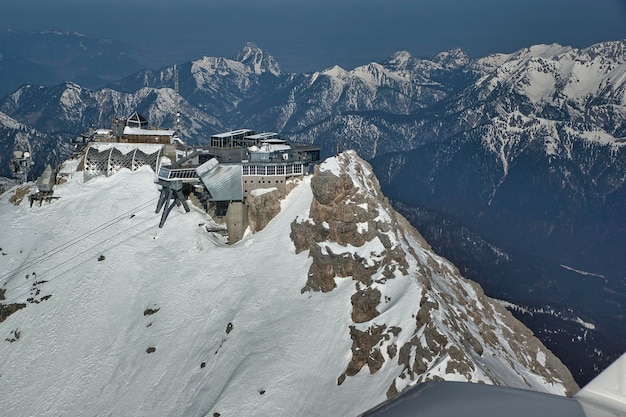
(107,159)
(604,396)
(45,187)
(442,399)
(222,181)
(45,183)
(171,195)
(22,162)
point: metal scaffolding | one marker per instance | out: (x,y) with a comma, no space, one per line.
(108,159)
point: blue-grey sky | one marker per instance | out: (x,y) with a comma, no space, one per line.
(307,35)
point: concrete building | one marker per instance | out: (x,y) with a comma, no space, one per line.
(221,175)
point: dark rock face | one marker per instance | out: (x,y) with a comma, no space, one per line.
(7,309)
(262,208)
(364,303)
(352,232)
(353,223)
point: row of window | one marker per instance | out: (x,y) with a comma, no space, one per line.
(296,169)
(263,182)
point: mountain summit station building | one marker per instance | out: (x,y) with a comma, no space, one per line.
(217,177)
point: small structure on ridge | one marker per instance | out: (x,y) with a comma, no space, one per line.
(221,175)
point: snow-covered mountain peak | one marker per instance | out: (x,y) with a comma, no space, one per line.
(71,96)
(398,59)
(556,77)
(249,49)
(335,71)
(376,74)
(113,314)
(613,49)
(352,233)
(544,50)
(256,59)
(453,58)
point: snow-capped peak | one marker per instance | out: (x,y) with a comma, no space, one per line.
(259,61)
(453,58)
(399,59)
(335,71)
(615,50)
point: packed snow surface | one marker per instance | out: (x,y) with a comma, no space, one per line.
(124,318)
(83,351)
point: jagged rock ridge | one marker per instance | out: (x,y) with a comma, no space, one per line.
(456,332)
(146,321)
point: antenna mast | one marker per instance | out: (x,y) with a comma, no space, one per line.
(22,162)
(177,103)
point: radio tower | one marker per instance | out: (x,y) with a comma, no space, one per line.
(22,162)
(177,104)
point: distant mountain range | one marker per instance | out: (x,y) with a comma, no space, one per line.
(533,163)
(512,165)
(53,57)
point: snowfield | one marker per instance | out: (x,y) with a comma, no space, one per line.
(125,319)
(83,351)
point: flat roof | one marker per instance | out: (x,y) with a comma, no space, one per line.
(232,133)
(305,147)
(264,135)
(269,147)
(147,132)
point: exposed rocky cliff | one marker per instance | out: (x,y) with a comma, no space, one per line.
(106,312)
(454,332)
(263,206)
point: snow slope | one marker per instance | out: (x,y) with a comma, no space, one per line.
(124,318)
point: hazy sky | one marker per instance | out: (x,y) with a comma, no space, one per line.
(306,35)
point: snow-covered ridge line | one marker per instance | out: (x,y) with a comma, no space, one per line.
(569,268)
(138,320)
(546,310)
(346,195)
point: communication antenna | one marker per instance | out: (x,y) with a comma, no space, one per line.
(177,103)
(22,161)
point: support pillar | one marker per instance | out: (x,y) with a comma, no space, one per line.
(171,190)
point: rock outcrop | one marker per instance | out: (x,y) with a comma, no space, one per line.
(263,206)
(455,331)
